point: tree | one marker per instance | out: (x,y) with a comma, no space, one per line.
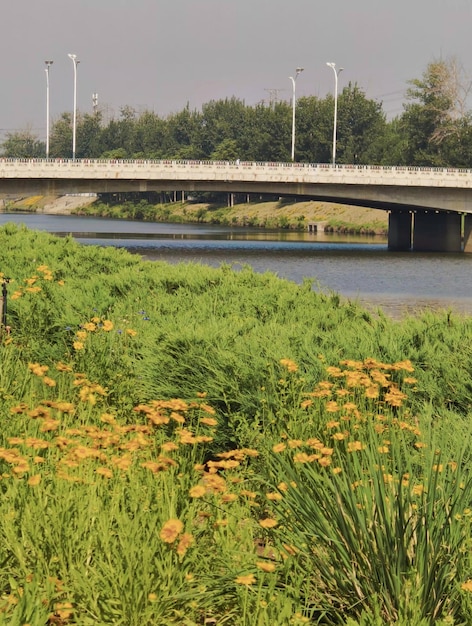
(360,128)
(434,113)
(61,137)
(23,145)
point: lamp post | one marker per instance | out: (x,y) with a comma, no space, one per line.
(336,74)
(75,61)
(48,65)
(298,71)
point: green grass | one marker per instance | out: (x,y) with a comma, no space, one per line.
(156,418)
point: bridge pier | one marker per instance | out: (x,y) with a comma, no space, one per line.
(467,247)
(399,231)
(437,231)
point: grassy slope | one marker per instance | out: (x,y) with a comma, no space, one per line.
(260,212)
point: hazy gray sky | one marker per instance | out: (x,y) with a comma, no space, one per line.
(161,54)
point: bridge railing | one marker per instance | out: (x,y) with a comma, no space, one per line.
(7,161)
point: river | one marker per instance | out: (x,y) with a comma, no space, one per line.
(358,268)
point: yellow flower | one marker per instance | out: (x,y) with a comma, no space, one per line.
(185,542)
(275,495)
(90,326)
(208,421)
(290,365)
(279,447)
(268,522)
(34,480)
(171,530)
(131,332)
(197,491)
(107,325)
(354,446)
(78,345)
(104,471)
(81,335)
(266,566)
(249,579)
(467,586)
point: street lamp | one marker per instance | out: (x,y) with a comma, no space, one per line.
(48,65)
(298,71)
(75,61)
(336,74)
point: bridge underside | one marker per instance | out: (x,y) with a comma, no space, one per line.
(436,219)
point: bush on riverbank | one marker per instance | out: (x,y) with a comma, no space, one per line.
(185,445)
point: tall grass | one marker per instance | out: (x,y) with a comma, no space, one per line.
(186,445)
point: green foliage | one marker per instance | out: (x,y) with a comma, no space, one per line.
(136,394)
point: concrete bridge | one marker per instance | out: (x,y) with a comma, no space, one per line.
(430,209)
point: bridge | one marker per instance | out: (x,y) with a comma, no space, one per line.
(430,209)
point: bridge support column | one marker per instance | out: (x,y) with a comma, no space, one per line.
(468,232)
(399,231)
(437,232)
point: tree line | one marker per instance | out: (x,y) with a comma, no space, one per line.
(434,129)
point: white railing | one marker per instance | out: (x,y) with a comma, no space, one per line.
(234,171)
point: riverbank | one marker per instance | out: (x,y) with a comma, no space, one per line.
(284,214)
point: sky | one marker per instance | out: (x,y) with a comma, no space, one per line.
(161,55)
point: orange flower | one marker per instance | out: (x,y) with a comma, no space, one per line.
(34,480)
(197,491)
(104,471)
(185,542)
(171,530)
(268,522)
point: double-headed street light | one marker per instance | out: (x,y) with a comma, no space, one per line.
(336,74)
(48,65)
(75,61)
(298,71)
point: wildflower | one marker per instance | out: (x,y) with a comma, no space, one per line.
(197,491)
(354,446)
(372,392)
(78,345)
(107,325)
(279,447)
(467,586)
(131,332)
(229,497)
(301,457)
(291,366)
(186,540)
(171,530)
(208,421)
(169,446)
(249,579)
(274,495)
(268,522)
(81,335)
(266,566)
(104,471)
(90,326)
(34,480)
